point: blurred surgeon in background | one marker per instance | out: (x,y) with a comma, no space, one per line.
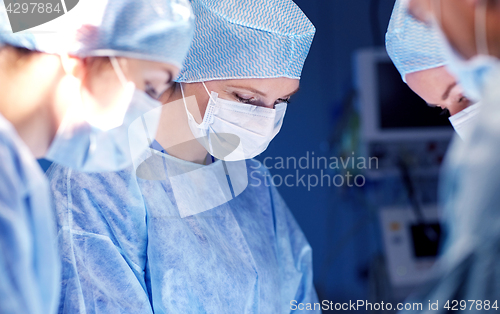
(70,97)
(470,188)
(196,226)
(419,54)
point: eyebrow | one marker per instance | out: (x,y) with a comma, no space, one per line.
(255,91)
(446,93)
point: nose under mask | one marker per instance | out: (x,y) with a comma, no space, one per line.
(233,131)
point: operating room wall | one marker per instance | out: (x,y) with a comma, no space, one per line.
(342,244)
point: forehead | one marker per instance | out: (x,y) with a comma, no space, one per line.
(270,87)
(430,84)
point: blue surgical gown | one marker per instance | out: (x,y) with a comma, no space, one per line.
(29,263)
(470,266)
(126,248)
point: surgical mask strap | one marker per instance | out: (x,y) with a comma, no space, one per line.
(121,76)
(184,98)
(118,70)
(480,28)
(190,115)
(209,95)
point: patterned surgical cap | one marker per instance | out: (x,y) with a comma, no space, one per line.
(412,45)
(236,39)
(154,30)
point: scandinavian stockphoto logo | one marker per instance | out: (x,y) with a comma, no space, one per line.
(26,14)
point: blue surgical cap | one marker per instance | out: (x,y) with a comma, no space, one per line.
(154,30)
(236,39)
(412,45)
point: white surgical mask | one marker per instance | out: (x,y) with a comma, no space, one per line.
(472,74)
(463,122)
(234,131)
(99,144)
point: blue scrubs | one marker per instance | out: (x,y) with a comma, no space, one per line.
(29,263)
(127,250)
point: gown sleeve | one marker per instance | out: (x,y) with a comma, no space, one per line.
(29,265)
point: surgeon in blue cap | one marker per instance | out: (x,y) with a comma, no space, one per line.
(69,90)
(196,225)
(418,52)
(469,264)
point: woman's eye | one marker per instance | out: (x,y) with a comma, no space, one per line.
(464,101)
(445,112)
(282,100)
(244,100)
(151,91)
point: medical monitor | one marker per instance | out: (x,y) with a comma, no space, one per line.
(389,108)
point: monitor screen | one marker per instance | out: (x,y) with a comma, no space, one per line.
(426,239)
(400,107)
